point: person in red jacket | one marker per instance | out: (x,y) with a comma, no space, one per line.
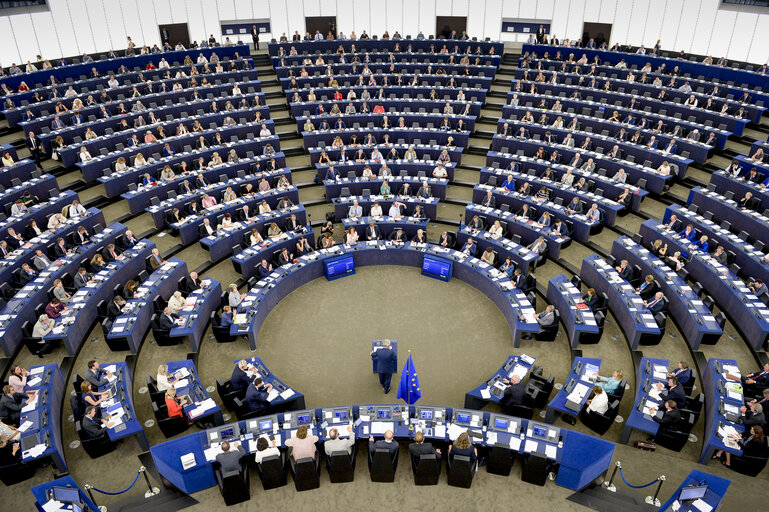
(175,404)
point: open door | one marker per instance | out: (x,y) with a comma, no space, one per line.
(601,32)
(322,24)
(174,34)
(445,25)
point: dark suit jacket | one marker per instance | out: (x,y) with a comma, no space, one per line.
(384,359)
(81,280)
(676,394)
(24,277)
(417,449)
(230,461)
(669,420)
(513,395)
(381,444)
(373,233)
(239,379)
(113,310)
(751,419)
(92,428)
(164,322)
(256,399)
(10,407)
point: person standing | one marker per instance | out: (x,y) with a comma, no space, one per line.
(385,361)
(255,36)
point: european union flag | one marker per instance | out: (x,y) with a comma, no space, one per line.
(409,389)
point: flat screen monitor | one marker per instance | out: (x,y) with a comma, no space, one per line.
(339,267)
(303,419)
(540,431)
(65,494)
(692,493)
(383,414)
(227,433)
(341,415)
(437,268)
(463,418)
(425,415)
(500,423)
(265,425)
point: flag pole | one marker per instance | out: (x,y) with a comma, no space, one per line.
(408,376)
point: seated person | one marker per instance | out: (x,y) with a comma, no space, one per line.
(334,443)
(303,445)
(752,441)
(227,317)
(176,404)
(463,446)
(683,373)
(93,427)
(674,391)
(591,299)
(515,393)
(599,404)
(657,305)
(610,384)
(648,288)
(388,443)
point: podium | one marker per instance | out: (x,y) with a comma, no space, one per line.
(377,345)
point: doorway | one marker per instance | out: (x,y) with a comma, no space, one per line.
(175,33)
(323,24)
(601,32)
(444,25)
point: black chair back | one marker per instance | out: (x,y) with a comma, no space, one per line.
(426,469)
(306,474)
(340,466)
(381,466)
(534,469)
(500,460)
(234,484)
(272,472)
(460,471)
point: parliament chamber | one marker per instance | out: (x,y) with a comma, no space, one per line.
(279,256)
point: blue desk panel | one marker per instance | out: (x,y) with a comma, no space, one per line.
(579,323)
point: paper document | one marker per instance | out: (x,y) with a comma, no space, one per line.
(453,431)
(24,426)
(550,451)
(515,443)
(491,438)
(530,446)
(53,506)
(34,382)
(272,395)
(485,393)
(440,431)
(701,505)
(287,394)
(182,384)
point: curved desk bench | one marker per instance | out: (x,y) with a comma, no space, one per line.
(528,230)
(494,284)
(197,313)
(523,258)
(429,206)
(718,397)
(650,371)
(625,304)
(358,186)
(723,209)
(423,151)
(581,458)
(696,321)
(387,225)
(246,261)
(577,386)
(409,135)
(127,330)
(43,417)
(284,397)
(493,389)
(724,183)
(580,324)
(412,167)
(123,400)
(747,312)
(224,241)
(21,308)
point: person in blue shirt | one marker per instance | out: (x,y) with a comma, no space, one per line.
(509,184)
(256,396)
(683,373)
(610,384)
(544,220)
(470,248)
(226,316)
(688,233)
(701,244)
(508,267)
(167,151)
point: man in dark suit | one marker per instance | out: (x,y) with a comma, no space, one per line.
(255,36)
(95,375)
(756,381)
(656,305)
(383,444)
(128,240)
(256,396)
(167,319)
(192,282)
(26,274)
(419,448)
(292,223)
(489,200)
(625,270)
(93,427)
(373,232)
(240,379)
(115,307)
(385,359)
(11,404)
(111,253)
(33,144)
(525,212)
(514,394)
(752,415)
(669,419)
(230,460)
(674,392)
(82,278)
(475,223)
(518,279)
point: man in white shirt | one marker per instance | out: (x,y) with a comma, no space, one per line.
(395,210)
(600,401)
(440,171)
(355,210)
(76,209)
(56,221)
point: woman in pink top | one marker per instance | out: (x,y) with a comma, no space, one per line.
(303,445)
(208,201)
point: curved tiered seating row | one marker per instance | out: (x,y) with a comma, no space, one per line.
(500,165)
(353,168)
(602,141)
(703,72)
(298,98)
(381,79)
(493,283)
(354,152)
(390,45)
(344,57)
(741,216)
(747,312)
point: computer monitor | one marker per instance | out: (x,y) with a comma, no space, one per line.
(501,423)
(265,425)
(303,419)
(540,431)
(65,494)
(384,414)
(425,415)
(341,415)
(463,417)
(223,433)
(693,492)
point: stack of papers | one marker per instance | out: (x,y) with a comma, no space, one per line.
(182,384)
(454,431)
(35,451)
(188,460)
(701,505)
(288,393)
(485,393)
